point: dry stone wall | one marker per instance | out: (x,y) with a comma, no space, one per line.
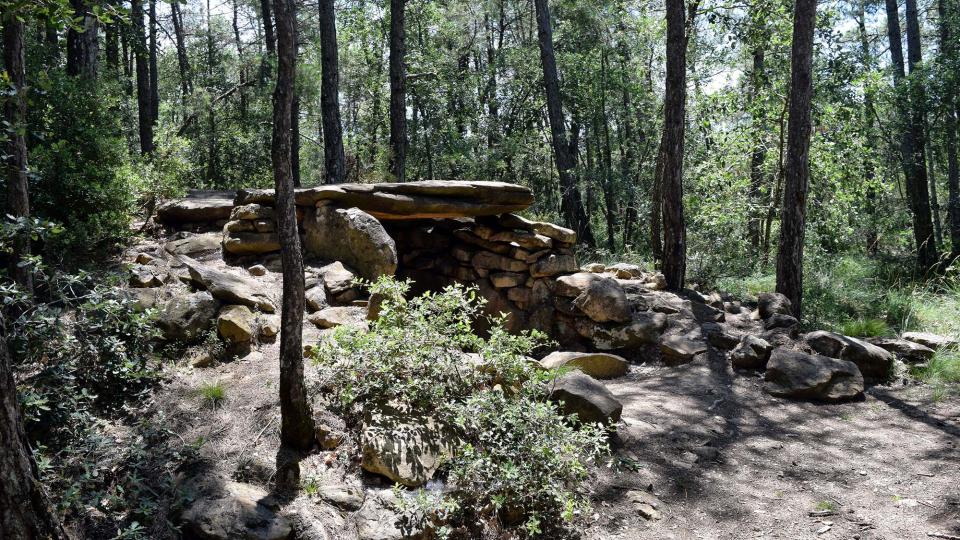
(438,233)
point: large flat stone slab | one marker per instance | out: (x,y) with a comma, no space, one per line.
(197,207)
(411,200)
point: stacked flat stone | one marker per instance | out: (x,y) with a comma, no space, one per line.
(252,230)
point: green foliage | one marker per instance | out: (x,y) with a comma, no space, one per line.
(515,457)
(83,179)
(944,367)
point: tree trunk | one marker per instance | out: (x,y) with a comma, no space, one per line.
(183,61)
(82,45)
(154,73)
(398,91)
(570,202)
(671,147)
(911,138)
(112,40)
(759,154)
(139,45)
(948,51)
(270,40)
(330,95)
(296,424)
(609,199)
(240,60)
(797,169)
(15,116)
(26,512)
(869,171)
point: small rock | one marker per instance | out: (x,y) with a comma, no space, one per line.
(554,264)
(780,320)
(751,353)
(269,326)
(603,300)
(908,351)
(596,268)
(503,280)
(597,365)
(342,495)
(235,324)
(338,316)
(186,317)
(257,270)
(809,376)
(680,349)
(772,303)
(929,340)
(586,397)
(405,447)
(220,509)
(316,298)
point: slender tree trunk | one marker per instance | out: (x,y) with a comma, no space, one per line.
(183,61)
(144,110)
(609,199)
(797,169)
(759,154)
(570,202)
(126,57)
(82,43)
(154,72)
(15,116)
(398,91)
(671,147)
(948,52)
(295,108)
(330,95)
(269,39)
(26,512)
(112,39)
(240,60)
(911,143)
(212,168)
(932,177)
(869,170)
(296,425)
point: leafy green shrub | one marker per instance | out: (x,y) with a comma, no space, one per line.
(516,461)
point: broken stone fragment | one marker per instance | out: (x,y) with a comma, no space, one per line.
(809,376)
(597,365)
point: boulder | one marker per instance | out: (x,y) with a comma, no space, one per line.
(250,243)
(198,206)
(644,328)
(587,398)
(252,211)
(332,317)
(229,287)
(235,323)
(780,320)
(194,243)
(142,277)
(603,300)
(596,365)
(908,351)
(316,298)
(625,270)
(873,361)
(929,340)
(679,349)
(219,509)
(269,326)
(337,278)
(810,376)
(353,237)
(405,447)
(751,353)
(772,303)
(719,336)
(554,264)
(573,284)
(187,316)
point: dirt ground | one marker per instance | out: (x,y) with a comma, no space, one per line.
(725,459)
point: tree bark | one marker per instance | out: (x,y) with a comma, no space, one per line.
(571,205)
(183,61)
(911,136)
(797,169)
(759,154)
(671,147)
(296,425)
(15,116)
(144,109)
(398,91)
(82,45)
(330,95)
(948,52)
(154,72)
(25,511)
(112,39)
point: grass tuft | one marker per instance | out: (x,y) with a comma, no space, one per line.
(213,393)
(865,328)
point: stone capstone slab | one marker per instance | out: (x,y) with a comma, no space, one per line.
(197,207)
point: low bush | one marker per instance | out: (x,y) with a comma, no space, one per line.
(517,463)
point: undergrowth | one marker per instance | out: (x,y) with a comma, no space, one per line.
(517,463)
